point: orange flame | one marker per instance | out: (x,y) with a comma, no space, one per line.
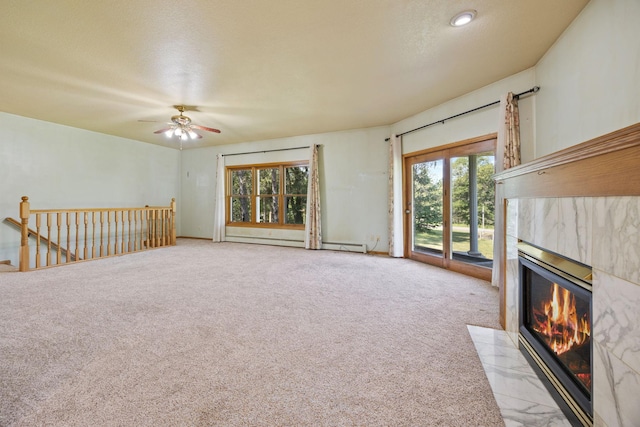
(560,323)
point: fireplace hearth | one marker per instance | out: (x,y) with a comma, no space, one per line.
(555,327)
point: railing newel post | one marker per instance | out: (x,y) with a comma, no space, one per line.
(25,212)
(173,221)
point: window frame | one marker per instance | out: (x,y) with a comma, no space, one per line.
(255,187)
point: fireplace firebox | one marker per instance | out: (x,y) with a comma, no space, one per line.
(555,327)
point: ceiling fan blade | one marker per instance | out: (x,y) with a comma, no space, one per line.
(163,130)
(205,128)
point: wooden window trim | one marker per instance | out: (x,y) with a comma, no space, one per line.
(254,167)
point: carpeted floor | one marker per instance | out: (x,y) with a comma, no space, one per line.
(229,334)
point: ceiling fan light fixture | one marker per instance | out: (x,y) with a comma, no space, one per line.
(463,18)
(181,127)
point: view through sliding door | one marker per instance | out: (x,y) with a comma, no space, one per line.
(449,198)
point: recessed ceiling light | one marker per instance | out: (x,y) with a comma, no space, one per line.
(463,18)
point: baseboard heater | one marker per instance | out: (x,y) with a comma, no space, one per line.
(333,246)
(347,247)
(265,241)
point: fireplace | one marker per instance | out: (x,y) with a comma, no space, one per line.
(555,327)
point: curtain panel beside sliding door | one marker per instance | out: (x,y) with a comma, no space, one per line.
(507,150)
(396,241)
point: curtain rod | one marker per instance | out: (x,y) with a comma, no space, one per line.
(532,90)
(264,151)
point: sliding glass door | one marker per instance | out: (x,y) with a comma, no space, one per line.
(449,198)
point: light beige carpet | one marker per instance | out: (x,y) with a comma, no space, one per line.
(243,335)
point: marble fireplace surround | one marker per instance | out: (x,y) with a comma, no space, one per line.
(584,203)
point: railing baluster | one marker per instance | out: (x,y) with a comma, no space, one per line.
(135,230)
(149,232)
(168,224)
(68,220)
(38,223)
(122,246)
(129,222)
(86,229)
(77,251)
(108,233)
(159,226)
(101,233)
(164,227)
(153,228)
(145,229)
(115,237)
(93,234)
(48,239)
(59,249)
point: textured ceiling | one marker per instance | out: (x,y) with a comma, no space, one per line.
(259,69)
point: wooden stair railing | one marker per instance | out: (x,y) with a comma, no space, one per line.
(93,233)
(43,240)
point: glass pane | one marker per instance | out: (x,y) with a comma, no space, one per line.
(296,178)
(240,209)
(460,216)
(241,182)
(295,209)
(269,180)
(427,207)
(268,209)
(472,208)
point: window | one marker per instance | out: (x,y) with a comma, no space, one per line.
(273,195)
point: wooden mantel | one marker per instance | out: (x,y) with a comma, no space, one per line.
(605,166)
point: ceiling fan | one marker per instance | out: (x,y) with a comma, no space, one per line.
(182,127)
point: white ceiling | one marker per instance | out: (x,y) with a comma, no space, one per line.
(259,69)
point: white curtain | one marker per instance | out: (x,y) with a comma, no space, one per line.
(396,235)
(219,210)
(507,156)
(313,224)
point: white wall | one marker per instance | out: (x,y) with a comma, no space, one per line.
(353,178)
(481,122)
(62,167)
(353,167)
(590,78)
